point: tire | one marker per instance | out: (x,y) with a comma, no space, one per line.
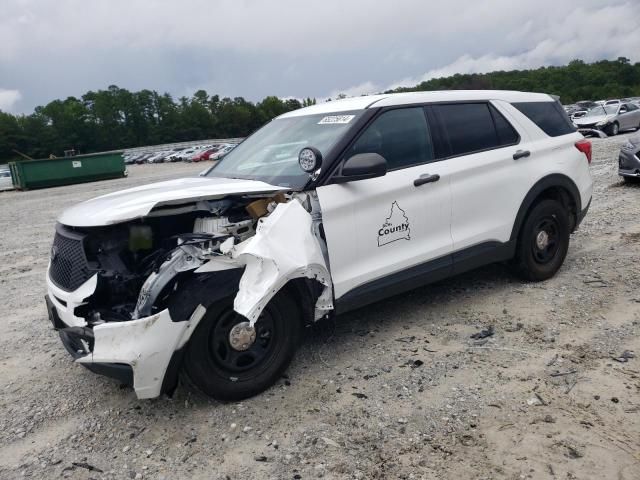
(631,180)
(613,130)
(532,261)
(219,371)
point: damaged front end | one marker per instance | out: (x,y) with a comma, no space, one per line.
(110,288)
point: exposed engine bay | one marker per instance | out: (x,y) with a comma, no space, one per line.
(140,264)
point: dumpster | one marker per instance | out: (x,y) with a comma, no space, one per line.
(53,172)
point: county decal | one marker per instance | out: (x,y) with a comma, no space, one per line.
(395,227)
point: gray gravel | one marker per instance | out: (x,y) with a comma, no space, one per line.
(394,390)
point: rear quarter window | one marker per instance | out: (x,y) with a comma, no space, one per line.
(549,116)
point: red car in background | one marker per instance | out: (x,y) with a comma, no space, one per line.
(204,155)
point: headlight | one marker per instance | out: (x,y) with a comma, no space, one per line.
(602,123)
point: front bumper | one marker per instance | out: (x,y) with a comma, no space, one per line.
(592,132)
(137,352)
(629,163)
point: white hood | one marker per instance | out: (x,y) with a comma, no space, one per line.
(137,202)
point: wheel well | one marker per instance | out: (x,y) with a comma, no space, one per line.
(555,187)
(561,195)
(305,293)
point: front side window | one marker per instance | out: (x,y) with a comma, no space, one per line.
(271,154)
(469,126)
(401,136)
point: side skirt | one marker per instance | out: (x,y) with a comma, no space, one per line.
(425,273)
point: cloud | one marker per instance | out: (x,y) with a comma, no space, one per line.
(316,48)
(8,98)
(588,34)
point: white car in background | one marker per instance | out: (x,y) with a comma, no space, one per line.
(6,183)
(321,211)
(221,152)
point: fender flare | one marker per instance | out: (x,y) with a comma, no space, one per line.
(556,180)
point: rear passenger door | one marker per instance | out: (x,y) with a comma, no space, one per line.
(479,148)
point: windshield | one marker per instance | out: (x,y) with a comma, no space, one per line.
(598,111)
(271,154)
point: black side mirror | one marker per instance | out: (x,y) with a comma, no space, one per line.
(361,167)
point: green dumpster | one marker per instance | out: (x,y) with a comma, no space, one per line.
(53,172)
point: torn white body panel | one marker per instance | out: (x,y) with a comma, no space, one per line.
(283,248)
(146,344)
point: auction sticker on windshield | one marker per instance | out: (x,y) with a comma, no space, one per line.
(332,119)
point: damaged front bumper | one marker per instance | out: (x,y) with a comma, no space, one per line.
(137,352)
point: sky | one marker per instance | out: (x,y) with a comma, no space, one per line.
(52,49)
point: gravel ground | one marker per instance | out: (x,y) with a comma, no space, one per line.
(394,390)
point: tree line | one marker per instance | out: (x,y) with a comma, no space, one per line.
(576,81)
(116,118)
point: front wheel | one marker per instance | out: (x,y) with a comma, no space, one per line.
(228,359)
(543,241)
(613,130)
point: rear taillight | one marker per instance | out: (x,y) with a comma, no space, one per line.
(585,147)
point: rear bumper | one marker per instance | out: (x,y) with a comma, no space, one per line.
(136,352)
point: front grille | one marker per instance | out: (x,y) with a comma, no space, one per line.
(69,267)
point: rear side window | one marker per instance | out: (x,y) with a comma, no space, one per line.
(469,127)
(401,136)
(549,116)
(507,135)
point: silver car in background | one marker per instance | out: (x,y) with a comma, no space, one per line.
(629,160)
(610,119)
(5,179)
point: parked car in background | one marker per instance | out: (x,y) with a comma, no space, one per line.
(629,160)
(220,154)
(610,119)
(6,182)
(184,154)
(204,155)
(158,157)
(586,104)
(143,158)
(578,114)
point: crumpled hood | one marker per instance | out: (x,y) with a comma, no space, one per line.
(592,120)
(137,202)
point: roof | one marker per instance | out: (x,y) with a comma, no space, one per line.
(407,98)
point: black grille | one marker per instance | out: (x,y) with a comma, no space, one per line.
(69,267)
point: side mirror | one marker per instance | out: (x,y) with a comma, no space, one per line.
(361,167)
(623,110)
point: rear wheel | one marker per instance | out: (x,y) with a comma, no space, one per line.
(228,359)
(543,241)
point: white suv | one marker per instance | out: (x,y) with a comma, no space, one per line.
(325,209)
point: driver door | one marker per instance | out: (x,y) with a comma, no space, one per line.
(383,233)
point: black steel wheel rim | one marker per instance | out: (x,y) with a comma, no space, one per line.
(545,253)
(232,361)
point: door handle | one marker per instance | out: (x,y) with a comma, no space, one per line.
(426,178)
(521,154)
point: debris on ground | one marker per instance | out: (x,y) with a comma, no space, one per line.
(624,357)
(487,332)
